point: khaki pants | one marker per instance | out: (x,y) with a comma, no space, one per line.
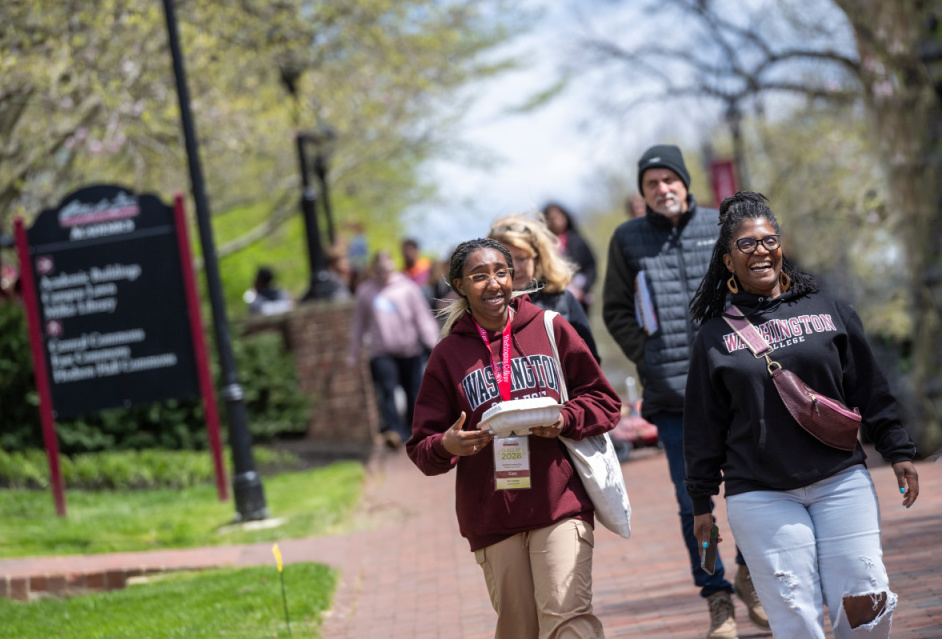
(540,583)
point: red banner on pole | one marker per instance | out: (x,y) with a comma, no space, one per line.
(723,179)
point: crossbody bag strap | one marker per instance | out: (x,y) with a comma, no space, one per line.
(750,335)
(548,323)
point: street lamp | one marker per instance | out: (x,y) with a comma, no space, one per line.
(314,150)
(324,142)
(249,493)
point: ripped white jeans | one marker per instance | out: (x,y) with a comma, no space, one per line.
(814,546)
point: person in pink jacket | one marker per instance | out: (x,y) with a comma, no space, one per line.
(392,314)
(533,542)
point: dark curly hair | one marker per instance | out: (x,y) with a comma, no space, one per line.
(710,299)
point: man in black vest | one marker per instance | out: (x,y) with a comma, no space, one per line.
(655,265)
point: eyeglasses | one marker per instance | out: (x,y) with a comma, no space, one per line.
(751,244)
(484,278)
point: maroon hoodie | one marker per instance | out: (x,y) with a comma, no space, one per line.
(459,378)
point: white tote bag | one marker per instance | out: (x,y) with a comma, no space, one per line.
(595,460)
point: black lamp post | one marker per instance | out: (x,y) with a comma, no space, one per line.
(318,144)
(324,142)
(248,490)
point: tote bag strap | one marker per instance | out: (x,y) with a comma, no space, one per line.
(548,323)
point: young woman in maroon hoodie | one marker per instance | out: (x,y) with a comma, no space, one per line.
(533,543)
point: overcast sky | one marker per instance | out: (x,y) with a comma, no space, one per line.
(563,150)
(536,156)
(557,152)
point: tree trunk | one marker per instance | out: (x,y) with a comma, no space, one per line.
(734,120)
(906,110)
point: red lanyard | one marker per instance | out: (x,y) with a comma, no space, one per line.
(503,379)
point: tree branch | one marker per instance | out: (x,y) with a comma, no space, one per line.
(279,214)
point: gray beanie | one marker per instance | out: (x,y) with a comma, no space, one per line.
(665,156)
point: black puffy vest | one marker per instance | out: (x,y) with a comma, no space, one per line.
(675,259)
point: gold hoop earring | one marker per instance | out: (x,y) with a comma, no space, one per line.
(785,281)
(732,285)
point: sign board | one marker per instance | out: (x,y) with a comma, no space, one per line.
(113,311)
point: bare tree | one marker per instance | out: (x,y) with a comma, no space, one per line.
(886,55)
(726,57)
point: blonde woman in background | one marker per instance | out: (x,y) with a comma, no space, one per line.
(540,270)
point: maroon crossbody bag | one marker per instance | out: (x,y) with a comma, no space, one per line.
(827,419)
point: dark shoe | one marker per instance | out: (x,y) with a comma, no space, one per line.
(747,592)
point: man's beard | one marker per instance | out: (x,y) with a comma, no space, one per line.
(670,205)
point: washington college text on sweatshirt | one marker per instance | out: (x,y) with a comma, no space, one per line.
(736,427)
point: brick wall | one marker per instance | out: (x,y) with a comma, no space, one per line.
(67,585)
(318,334)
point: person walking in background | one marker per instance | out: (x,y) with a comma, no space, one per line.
(541,271)
(358,253)
(668,252)
(441,292)
(415,267)
(534,543)
(573,247)
(264,298)
(805,513)
(393,314)
(340,272)
(635,206)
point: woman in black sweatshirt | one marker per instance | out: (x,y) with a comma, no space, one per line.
(804,514)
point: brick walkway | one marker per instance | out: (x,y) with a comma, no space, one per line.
(407,573)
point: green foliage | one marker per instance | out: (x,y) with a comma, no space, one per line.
(89,96)
(275,405)
(824,178)
(19,401)
(284,251)
(239,603)
(127,469)
(312,502)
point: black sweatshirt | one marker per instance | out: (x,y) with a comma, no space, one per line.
(736,428)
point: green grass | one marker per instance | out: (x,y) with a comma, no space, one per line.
(312,502)
(233,603)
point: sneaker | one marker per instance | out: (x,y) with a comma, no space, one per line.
(722,619)
(747,592)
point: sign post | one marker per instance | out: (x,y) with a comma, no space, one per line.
(202,361)
(39,368)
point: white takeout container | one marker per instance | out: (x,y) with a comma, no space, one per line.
(518,416)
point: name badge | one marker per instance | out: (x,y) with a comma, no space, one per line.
(512,462)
